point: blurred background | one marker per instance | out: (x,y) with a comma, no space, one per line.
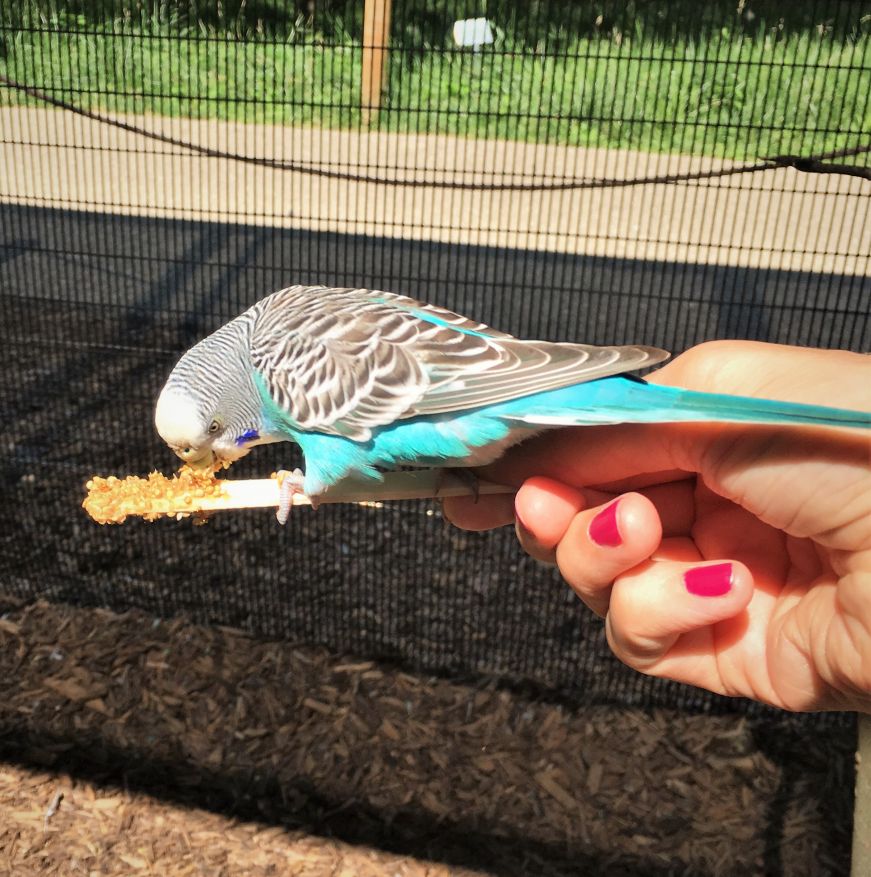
(588,171)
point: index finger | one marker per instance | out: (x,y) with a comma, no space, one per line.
(615,458)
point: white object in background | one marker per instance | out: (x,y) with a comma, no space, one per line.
(473,32)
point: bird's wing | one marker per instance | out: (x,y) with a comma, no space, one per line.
(463,377)
(347,360)
(531,367)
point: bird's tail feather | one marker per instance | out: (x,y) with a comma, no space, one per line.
(621,400)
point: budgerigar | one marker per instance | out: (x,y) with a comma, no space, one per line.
(366,381)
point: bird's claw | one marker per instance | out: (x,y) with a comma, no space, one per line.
(289,484)
(465,476)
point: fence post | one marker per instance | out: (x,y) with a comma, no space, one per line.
(862,806)
(376,30)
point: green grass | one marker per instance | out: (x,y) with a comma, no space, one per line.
(729,92)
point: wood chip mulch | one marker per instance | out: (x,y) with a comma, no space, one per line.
(87,829)
(181,749)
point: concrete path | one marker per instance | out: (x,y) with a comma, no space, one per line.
(777,219)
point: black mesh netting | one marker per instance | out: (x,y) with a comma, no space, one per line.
(117,252)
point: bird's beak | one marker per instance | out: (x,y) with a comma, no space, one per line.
(203,461)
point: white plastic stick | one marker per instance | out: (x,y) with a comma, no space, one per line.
(426,484)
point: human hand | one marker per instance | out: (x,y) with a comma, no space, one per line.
(731,557)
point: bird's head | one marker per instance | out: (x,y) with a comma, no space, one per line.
(203,436)
(209,410)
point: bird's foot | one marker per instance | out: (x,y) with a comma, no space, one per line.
(464,476)
(289,484)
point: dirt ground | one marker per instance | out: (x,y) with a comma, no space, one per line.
(769,220)
(181,749)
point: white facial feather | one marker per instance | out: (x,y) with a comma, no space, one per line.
(176,418)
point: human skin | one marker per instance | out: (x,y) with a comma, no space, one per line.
(788,623)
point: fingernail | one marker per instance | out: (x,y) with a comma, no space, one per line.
(709,581)
(603,528)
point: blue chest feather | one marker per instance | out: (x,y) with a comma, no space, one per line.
(430,441)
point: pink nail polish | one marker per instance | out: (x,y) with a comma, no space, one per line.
(709,581)
(603,528)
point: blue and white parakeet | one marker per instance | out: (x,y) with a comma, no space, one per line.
(366,381)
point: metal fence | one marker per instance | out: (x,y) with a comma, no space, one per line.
(162,167)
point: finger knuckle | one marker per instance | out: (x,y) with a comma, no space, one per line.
(633,646)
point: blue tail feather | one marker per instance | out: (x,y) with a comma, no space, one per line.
(622,400)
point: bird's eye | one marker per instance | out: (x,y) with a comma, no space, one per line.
(214,426)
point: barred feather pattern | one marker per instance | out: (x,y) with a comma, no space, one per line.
(343,361)
(216,375)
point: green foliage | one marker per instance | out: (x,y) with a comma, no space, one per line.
(734,81)
(423,24)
